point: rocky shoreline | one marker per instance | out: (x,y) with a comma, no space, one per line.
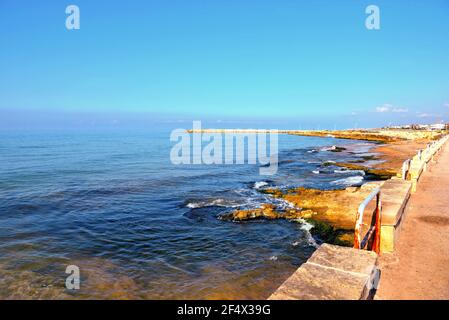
(333,212)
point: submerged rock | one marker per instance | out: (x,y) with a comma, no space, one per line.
(337,149)
(327,233)
(370,157)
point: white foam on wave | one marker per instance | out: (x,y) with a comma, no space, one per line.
(212,203)
(260,184)
(316,171)
(306,226)
(360,172)
(283,204)
(328,148)
(349,181)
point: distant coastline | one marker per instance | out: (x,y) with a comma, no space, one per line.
(381,135)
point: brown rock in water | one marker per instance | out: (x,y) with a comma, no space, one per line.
(378,174)
(332,212)
(266,211)
(335,207)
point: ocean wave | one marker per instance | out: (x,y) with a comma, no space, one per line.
(213,203)
(349,181)
(306,227)
(260,184)
(341,171)
(284,204)
(328,148)
(316,171)
(360,172)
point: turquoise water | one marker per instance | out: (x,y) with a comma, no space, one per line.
(112,203)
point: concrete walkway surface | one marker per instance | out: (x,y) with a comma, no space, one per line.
(419,266)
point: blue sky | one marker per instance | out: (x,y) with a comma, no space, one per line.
(312,63)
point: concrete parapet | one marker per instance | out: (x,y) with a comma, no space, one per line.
(419,162)
(395,196)
(332,273)
(396,192)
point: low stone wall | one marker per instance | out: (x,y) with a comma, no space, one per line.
(332,273)
(419,162)
(395,194)
(397,191)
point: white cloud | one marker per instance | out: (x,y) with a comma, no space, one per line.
(423,115)
(399,110)
(384,108)
(446,104)
(390,108)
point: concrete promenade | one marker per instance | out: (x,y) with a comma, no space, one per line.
(419,266)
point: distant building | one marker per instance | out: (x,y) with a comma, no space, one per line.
(437,126)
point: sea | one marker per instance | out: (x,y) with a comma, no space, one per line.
(111,203)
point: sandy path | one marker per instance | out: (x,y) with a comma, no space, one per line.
(419,268)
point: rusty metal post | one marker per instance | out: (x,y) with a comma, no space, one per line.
(405,168)
(378,224)
(357,232)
